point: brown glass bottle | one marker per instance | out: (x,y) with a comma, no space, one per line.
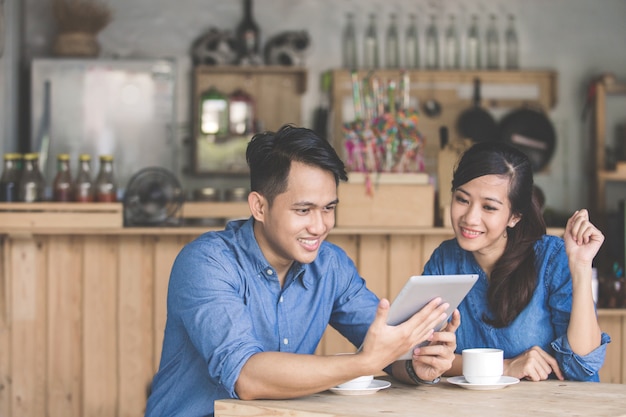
(62,183)
(83,185)
(106,189)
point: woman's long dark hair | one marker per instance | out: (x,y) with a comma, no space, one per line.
(514,276)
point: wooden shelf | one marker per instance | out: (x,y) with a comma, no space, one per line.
(454,91)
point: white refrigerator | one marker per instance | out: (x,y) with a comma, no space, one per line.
(120,107)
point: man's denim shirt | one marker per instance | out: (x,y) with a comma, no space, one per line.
(225,304)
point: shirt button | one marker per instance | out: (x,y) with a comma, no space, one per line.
(285,341)
(270,272)
(281,299)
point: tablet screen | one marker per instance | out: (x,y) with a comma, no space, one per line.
(420,289)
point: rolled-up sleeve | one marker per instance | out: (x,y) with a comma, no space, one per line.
(577,367)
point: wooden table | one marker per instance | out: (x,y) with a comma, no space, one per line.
(546,398)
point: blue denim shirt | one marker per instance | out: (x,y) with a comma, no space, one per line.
(225,304)
(542,323)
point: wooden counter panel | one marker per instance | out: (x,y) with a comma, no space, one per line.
(82,316)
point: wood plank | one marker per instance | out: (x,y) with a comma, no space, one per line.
(613,363)
(374,263)
(135,310)
(100,338)
(64,347)
(166,249)
(404,261)
(28,367)
(5,326)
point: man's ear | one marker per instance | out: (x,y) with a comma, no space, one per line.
(258,205)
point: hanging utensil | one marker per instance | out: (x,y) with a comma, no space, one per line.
(476,123)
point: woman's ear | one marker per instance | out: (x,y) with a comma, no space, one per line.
(514,220)
(258,205)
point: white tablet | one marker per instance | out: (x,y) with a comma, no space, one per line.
(421,289)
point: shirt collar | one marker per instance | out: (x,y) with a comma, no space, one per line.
(244,234)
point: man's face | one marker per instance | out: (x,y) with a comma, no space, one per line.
(293,228)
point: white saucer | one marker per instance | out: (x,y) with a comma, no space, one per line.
(374,386)
(504,381)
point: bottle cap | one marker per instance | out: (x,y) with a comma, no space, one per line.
(63,157)
(106,157)
(84,157)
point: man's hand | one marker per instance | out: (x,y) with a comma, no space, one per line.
(383,343)
(433,360)
(535,365)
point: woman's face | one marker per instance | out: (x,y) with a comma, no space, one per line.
(480,213)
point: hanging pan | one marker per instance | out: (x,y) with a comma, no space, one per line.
(530,130)
(476,123)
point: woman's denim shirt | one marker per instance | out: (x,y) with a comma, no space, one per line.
(542,323)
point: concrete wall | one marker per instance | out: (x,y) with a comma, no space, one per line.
(578,38)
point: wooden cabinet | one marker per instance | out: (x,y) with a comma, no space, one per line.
(277,92)
(500,90)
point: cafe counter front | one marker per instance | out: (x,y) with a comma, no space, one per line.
(82,311)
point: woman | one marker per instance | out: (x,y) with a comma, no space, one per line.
(533,298)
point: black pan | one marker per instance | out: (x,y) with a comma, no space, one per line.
(477,123)
(530,130)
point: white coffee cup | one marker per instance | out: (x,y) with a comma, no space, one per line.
(357,383)
(482,365)
(360,382)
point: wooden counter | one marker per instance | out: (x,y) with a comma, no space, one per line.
(546,398)
(82,311)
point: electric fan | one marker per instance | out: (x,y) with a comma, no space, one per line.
(153,197)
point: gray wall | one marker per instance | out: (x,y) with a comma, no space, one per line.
(578,38)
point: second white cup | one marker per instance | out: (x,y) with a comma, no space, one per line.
(482,365)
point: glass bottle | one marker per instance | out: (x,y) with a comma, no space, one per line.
(9,181)
(32,183)
(432,44)
(83,185)
(411,44)
(493,44)
(473,49)
(214,118)
(241,113)
(248,34)
(392,45)
(452,57)
(350,60)
(370,45)
(106,189)
(62,183)
(512,50)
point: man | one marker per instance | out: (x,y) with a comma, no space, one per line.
(247,306)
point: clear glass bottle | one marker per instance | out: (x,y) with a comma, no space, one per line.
(411,44)
(452,46)
(493,44)
(32,183)
(431,44)
(62,183)
(370,45)
(472,47)
(106,188)
(349,50)
(511,45)
(9,181)
(392,43)
(83,185)
(248,35)
(214,117)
